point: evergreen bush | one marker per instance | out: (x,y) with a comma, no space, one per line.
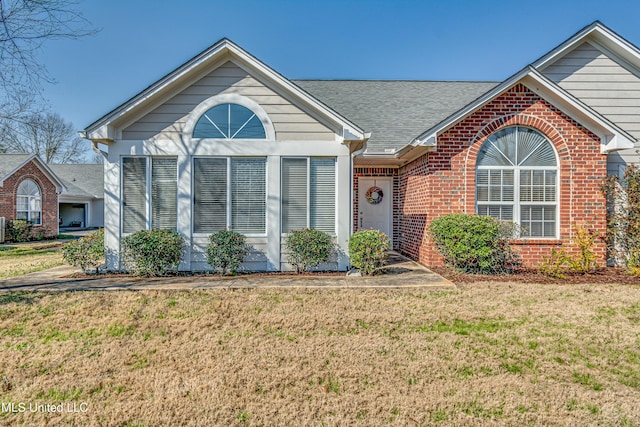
(152,252)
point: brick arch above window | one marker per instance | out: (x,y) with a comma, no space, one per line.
(536,123)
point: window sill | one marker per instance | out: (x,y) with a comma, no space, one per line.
(535,241)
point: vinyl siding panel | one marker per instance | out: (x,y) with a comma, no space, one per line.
(606,86)
(167,120)
(602,83)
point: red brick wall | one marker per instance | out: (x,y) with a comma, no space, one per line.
(49,197)
(379,172)
(443,181)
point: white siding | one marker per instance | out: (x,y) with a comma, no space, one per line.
(605,85)
(167,120)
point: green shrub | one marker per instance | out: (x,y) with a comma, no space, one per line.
(474,243)
(226,250)
(584,260)
(308,248)
(152,252)
(554,265)
(18,230)
(368,250)
(86,252)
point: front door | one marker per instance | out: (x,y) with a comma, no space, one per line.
(375,204)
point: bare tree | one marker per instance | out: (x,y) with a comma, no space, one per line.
(48,135)
(25,25)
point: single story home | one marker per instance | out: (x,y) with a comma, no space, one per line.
(50,196)
(225,141)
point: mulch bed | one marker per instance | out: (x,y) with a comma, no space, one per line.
(606,275)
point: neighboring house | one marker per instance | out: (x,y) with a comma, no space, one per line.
(51,196)
(82,202)
(29,190)
(224,141)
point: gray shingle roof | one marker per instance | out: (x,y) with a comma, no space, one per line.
(9,162)
(395,112)
(81,180)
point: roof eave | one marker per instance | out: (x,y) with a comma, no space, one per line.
(104,129)
(611,136)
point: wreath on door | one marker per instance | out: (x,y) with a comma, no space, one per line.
(374,195)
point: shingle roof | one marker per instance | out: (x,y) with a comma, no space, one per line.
(9,162)
(81,180)
(395,112)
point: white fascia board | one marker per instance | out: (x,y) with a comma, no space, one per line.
(429,138)
(612,138)
(43,167)
(103,130)
(279,80)
(598,34)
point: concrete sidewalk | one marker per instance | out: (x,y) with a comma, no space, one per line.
(400,273)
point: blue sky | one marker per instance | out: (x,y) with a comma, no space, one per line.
(141,41)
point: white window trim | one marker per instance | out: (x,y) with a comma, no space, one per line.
(228,98)
(29,198)
(308,205)
(229,212)
(516,203)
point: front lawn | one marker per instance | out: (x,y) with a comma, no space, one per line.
(486,354)
(19,259)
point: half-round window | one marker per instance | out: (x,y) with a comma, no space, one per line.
(229,121)
(517,180)
(29,202)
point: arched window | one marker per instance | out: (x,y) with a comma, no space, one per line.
(229,121)
(29,202)
(517,180)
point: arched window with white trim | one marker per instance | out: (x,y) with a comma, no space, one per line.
(29,202)
(517,180)
(229,121)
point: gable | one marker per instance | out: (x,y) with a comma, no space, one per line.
(602,82)
(167,120)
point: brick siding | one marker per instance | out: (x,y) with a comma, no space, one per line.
(443,181)
(49,197)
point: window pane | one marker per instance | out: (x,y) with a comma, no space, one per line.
(294,194)
(248,193)
(538,221)
(36,218)
(22,203)
(22,215)
(134,192)
(245,124)
(323,194)
(209,195)
(229,121)
(164,193)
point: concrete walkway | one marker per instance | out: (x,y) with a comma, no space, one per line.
(400,273)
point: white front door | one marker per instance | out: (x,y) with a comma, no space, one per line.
(375,205)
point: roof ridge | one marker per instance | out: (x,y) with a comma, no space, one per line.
(396,80)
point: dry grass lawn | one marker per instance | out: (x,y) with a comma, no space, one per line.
(487,354)
(17,260)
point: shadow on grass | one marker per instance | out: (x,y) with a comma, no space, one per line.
(19,297)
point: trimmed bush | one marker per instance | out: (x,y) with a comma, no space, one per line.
(307,248)
(226,251)
(152,252)
(474,243)
(368,250)
(18,230)
(86,252)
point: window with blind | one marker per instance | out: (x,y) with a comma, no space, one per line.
(229,193)
(162,199)
(29,202)
(308,194)
(517,180)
